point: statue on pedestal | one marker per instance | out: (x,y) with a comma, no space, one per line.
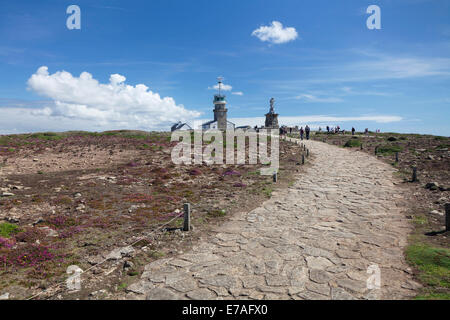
(271,117)
(272,101)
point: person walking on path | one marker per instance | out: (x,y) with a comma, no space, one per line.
(307,132)
(353,131)
(301,133)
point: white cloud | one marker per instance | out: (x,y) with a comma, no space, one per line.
(275,33)
(238,93)
(313,98)
(224,87)
(348,91)
(114,104)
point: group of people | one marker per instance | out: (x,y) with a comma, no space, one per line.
(336,129)
(304,132)
(284,130)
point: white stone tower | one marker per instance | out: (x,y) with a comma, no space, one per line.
(220,110)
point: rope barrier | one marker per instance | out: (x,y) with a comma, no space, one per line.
(106,259)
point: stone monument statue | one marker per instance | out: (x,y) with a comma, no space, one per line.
(272,101)
(271,117)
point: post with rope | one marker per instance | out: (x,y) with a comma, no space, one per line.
(414,174)
(187,217)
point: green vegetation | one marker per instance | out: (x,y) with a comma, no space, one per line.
(352,143)
(432,263)
(433,296)
(156,254)
(8,229)
(217,213)
(267,190)
(47,136)
(420,220)
(122,286)
(388,149)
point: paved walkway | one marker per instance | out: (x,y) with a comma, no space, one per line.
(314,241)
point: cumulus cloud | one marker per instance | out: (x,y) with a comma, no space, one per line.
(113,104)
(238,93)
(224,87)
(275,33)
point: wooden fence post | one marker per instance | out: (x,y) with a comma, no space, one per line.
(275,177)
(414,174)
(303,159)
(187,217)
(396,157)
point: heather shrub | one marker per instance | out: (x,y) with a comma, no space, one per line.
(6,243)
(195,172)
(30,235)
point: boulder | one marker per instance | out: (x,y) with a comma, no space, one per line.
(432,186)
(7,194)
(118,253)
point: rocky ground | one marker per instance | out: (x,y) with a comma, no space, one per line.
(321,238)
(102,202)
(428,251)
(99,201)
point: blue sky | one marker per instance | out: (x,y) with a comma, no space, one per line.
(335,71)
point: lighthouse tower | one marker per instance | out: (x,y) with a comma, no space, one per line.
(220,107)
(220,121)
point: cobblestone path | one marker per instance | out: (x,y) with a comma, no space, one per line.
(315,240)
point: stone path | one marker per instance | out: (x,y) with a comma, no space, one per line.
(314,241)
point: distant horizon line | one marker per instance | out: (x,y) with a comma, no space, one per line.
(168,131)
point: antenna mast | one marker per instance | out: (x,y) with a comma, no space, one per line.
(219,80)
